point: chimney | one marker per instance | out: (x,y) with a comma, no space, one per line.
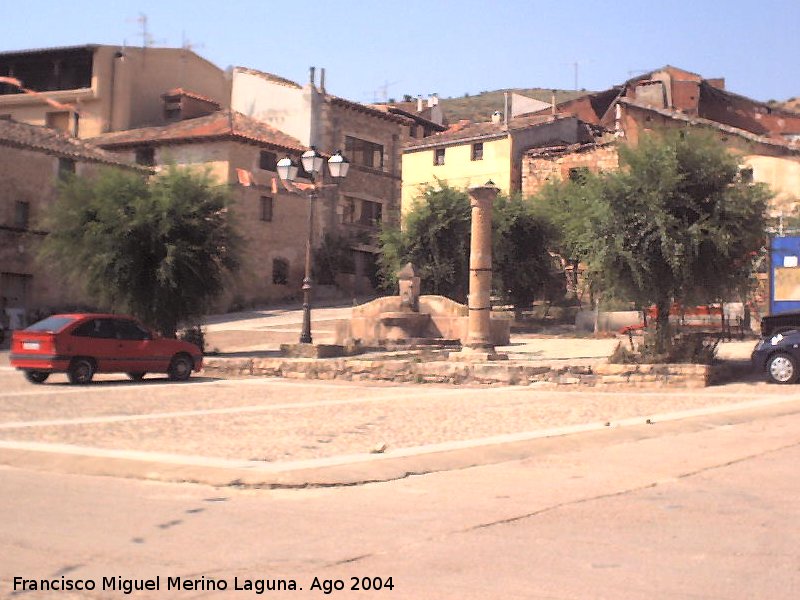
(433,100)
(322,80)
(419,103)
(553,100)
(311,76)
(497,116)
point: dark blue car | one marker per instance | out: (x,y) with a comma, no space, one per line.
(778,356)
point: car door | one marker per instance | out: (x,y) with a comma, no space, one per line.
(97,339)
(136,347)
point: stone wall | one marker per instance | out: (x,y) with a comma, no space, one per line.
(434,368)
(541,167)
(28,284)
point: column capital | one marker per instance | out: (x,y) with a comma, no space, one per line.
(483,193)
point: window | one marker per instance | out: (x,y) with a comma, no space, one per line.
(266,208)
(280,271)
(347,208)
(578,174)
(146,156)
(22,214)
(130,330)
(438,157)
(477,151)
(268,161)
(66,167)
(371,213)
(362,152)
(97,328)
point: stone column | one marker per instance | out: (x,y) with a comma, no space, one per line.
(479,340)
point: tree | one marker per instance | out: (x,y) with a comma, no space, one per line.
(158,248)
(522,266)
(573,208)
(436,239)
(675,223)
(334,256)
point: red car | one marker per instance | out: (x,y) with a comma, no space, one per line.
(81,345)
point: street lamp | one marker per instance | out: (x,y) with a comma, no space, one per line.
(313,165)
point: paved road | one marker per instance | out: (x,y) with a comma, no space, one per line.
(697,508)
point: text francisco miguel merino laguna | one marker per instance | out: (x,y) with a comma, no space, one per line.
(155,584)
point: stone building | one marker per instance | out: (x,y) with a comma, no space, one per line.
(241,153)
(564,162)
(470,154)
(766,139)
(32,159)
(371,138)
(92,89)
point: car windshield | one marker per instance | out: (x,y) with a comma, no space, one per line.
(51,324)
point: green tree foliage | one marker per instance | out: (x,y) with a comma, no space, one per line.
(333,256)
(437,238)
(522,267)
(158,249)
(675,223)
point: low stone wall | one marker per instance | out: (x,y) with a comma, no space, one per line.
(429,369)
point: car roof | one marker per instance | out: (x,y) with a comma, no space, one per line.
(788,313)
(93,316)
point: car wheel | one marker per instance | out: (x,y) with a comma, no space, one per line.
(36,376)
(180,368)
(136,376)
(80,371)
(782,368)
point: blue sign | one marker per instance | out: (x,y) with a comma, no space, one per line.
(784,274)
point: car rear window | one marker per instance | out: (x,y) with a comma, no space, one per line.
(53,324)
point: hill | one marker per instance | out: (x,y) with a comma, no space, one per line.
(480,107)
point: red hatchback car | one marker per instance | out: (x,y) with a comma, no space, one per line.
(81,345)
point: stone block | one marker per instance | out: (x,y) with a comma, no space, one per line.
(312,350)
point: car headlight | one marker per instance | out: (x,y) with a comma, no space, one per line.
(776,339)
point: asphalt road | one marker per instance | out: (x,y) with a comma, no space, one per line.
(684,507)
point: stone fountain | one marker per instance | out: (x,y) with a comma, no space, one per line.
(411,320)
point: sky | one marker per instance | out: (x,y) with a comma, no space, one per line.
(378,50)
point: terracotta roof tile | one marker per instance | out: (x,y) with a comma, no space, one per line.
(33,137)
(190,94)
(676,115)
(218,125)
(466,130)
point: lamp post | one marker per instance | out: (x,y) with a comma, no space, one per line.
(313,164)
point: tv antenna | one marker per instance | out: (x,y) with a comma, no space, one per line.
(147,39)
(188,44)
(576,64)
(382,93)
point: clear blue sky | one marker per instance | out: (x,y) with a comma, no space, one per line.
(451,47)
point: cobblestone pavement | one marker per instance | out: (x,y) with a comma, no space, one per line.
(277,420)
(273,422)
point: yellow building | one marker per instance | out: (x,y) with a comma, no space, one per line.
(470,154)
